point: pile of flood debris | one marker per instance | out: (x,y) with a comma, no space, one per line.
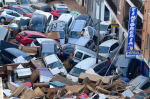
(33,81)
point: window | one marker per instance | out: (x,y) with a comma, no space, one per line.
(76,71)
(36,42)
(69,51)
(89,43)
(100,66)
(86,56)
(114,46)
(91,32)
(16,14)
(65,9)
(54,7)
(69,22)
(89,22)
(145,86)
(19,11)
(74,34)
(54,65)
(27,10)
(8,55)
(36,7)
(107,14)
(49,19)
(103,49)
(109,27)
(9,12)
(62,11)
(1,5)
(79,55)
(95,38)
(34,37)
(12,9)
(119,10)
(6,36)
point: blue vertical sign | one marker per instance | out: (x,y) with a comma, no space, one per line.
(132,28)
(131,32)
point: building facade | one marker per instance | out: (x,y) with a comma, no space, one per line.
(118,11)
(92,7)
(146,33)
(120,14)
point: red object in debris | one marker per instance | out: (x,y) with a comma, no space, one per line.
(109,62)
(58,13)
(72,56)
(27,37)
(29,84)
(83,95)
(19,10)
(69,95)
(61,53)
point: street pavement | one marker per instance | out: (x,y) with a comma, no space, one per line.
(72,5)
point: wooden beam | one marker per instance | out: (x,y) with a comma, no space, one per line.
(1,89)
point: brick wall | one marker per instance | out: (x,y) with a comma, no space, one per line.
(146,30)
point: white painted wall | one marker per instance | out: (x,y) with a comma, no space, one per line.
(120,34)
(102,11)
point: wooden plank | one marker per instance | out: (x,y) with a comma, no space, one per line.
(1,89)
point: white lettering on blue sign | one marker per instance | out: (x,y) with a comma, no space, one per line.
(131,42)
(132,28)
(131,35)
(133,9)
(133,13)
(132,24)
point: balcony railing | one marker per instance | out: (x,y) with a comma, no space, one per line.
(112,5)
(139,4)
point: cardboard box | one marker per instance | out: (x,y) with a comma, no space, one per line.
(63,80)
(46,90)
(36,64)
(18,90)
(38,92)
(14,65)
(35,74)
(53,35)
(9,70)
(93,78)
(50,94)
(28,95)
(11,87)
(15,32)
(75,88)
(29,50)
(46,85)
(23,92)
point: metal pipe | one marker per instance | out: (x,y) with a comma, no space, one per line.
(98,32)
